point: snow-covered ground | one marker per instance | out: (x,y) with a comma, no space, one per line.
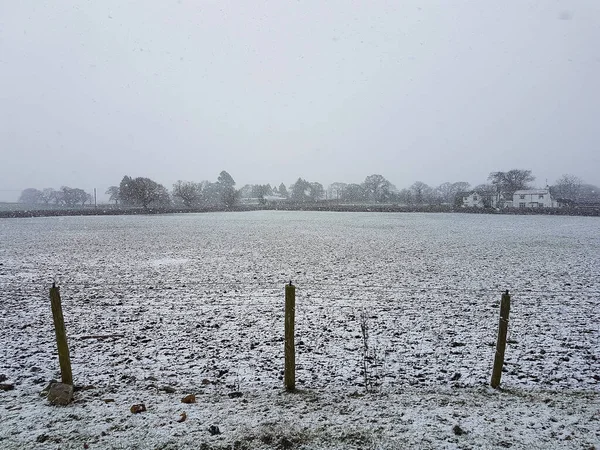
(158,307)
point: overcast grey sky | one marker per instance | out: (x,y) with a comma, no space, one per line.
(272,90)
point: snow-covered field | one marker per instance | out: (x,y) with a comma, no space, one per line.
(158,307)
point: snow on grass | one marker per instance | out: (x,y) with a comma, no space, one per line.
(194,303)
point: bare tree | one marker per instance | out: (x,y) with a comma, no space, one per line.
(48,195)
(511,181)
(353,193)
(316,191)
(335,191)
(188,191)
(422,192)
(69,196)
(568,187)
(143,192)
(406,196)
(377,188)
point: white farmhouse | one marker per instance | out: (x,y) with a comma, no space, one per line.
(533,198)
(476,199)
(472,200)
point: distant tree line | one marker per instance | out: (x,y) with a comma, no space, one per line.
(147,193)
(65,196)
(142,192)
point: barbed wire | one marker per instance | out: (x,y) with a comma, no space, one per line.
(169,286)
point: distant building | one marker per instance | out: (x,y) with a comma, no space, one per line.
(533,198)
(474,199)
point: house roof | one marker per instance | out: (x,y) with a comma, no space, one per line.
(532,192)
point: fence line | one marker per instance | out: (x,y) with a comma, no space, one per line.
(406,346)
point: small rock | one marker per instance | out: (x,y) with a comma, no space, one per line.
(236,394)
(35,369)
(60,394)
(139,408)
(2,377)
(191,398)
(183,417)
(458,430)
(285,443)
(458,344)
(206,381)
(41,438)
(168,389)
(455,377)
(47,388)
(6,387)
(108,400)
(214,430)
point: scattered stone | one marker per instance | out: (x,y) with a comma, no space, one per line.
(60,394)
(168,389)
(6,387)
(41,438)
(191,398)
(108,400)
(183,417)
(458,430)
(45,391)
(214,430)
(505,444)
(206,381)
(2,377)
(236,394)
(285,444)
(139,408)
(455,377)
(458,344)
(35,369)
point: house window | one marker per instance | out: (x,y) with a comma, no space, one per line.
(522,196)
(522,205)
(541,195)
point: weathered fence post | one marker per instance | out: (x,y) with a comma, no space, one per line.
(290,351)
(501,344)
(61,336)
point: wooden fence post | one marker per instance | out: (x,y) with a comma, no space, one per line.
(501,344)
(290,351)
(61,336)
